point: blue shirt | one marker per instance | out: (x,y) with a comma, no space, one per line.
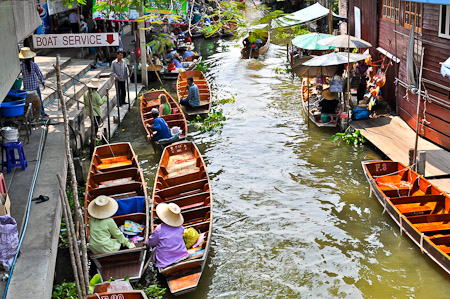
(193,97)
(162,128)
(188,54)
(177,63)
(170,54)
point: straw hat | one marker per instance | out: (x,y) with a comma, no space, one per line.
(103,207)
(94,83)
(170,214)
(191,47)
(26,53)
(175,130)
(328,95)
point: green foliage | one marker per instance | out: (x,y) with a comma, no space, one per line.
(202,66)
(66,290)
(160,43)
(349,136)
(94,280)
(280,70)
(152,291)
(212,122)
(63,235)
(231,100)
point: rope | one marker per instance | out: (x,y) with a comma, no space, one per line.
(421,242)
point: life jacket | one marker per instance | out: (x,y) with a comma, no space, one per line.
(171,66)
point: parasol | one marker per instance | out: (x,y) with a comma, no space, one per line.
(345,41)
(309,41)
(312,71)
(335,58)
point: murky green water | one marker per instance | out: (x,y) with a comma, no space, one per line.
(292,213)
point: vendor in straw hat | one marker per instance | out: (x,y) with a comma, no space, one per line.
(168,236)
(329,102)
(97,102)
(102,227)
(189,52)
(31,73)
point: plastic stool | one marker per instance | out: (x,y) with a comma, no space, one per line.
(2,184)
(9,151)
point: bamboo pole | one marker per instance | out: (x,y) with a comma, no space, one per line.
(92,118)
(153,66)
(419,97)
(71,246)
(77,209)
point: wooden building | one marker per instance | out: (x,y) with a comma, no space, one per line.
(392,26)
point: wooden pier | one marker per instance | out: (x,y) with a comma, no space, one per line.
(395,138)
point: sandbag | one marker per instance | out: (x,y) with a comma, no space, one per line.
(9,241)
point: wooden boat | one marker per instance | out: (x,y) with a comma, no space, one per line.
(203,88)
(421,210)
(258,52)
(230,31)
(313,112)
(116,290)
(182,179)
(115,172)
(150,100)
(188,65)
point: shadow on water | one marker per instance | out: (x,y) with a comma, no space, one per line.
(292,213)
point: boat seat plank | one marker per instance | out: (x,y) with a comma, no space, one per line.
(111,175)
(179,189)
(114,162)
(408,209)
(184,282)
(422,199)
(117,189)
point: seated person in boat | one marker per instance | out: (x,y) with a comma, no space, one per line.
(171,53)
(193,98)
(246,42)
(160,126)
(156,60)
(258,43)
(329,103)
(164,107)
(168,236)
(188,39)
(171,66)
(177,61)
(189,52)
(104,235)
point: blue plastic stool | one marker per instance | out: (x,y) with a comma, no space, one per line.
(9,151)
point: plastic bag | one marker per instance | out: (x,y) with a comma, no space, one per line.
(9,241)
(190,236)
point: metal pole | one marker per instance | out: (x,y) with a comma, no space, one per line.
(128,91)
(118,103)
(348,74)
(135,74)
(418,108)
(107,115)
(396,64)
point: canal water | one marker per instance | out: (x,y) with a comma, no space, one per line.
(292,212)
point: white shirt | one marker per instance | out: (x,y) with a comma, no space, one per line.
(73,17)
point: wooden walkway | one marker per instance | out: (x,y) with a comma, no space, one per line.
(394,138)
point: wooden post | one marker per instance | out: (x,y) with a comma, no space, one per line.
(411,156)
(77,209)
(419,97)
(71,247)
(109,120)
(421,161)
(141,30)
(91,116)
(330,19)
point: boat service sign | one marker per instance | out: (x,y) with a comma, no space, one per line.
(75,40)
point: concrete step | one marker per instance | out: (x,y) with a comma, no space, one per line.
(46,63)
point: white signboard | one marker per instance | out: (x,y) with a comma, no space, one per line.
(75,40)
(357,22)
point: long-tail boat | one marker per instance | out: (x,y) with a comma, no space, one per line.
(203,88)
(151,100)
(116,290)
(420,209)
(115,172)
(251,52)
(182,179)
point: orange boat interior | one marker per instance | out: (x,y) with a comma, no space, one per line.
(423,204)
(115,172)
(199,80)
(150,100)
(182,179)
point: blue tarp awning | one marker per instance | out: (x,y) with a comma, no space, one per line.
(305,15)
(444,2)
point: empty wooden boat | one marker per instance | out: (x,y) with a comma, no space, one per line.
(203,88)
(151,100)
(312,110)
(252,52)
(419,208)
(116,290)
(182,179)
(115,172)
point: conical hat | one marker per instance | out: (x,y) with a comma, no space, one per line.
(328,95)
(94,83)
(26,53)
(103,207)
(170,214)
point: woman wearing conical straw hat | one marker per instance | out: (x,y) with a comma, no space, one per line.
(102,227)
(31,73)
(97,102)
(168,236)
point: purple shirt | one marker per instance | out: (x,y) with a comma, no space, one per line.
(169,245)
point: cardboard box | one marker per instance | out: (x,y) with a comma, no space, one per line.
(5,205)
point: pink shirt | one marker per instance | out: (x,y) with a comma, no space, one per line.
(169,245)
